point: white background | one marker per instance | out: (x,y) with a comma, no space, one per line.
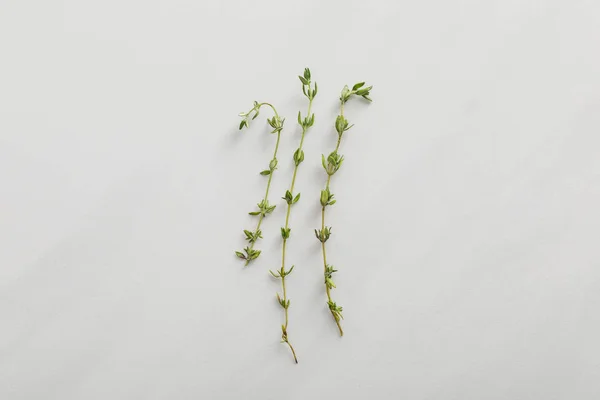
(465,232)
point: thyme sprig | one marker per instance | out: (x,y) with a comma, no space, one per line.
(291,198)
(332,164)
(264,207)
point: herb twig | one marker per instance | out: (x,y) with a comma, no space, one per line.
(331,165)
(291,199)
(264,208)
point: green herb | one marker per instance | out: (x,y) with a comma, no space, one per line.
(332,164)
(264,208)
(291,199)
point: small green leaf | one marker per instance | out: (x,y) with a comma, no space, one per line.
(324,197)
(346,93)
(296,199)
(254,212)
(307,73)
(249,236)
(288,197)
(298,156)
(341,124)
(304,81)
(253,254)
(265,172)
(273,273)
(240,255)
(357,86)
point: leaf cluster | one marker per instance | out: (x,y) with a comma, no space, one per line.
(327,198)
(285,232)
(253,236)
(329,271)
(358,90)
(264,208)
(309,92)
(333,163)
(298,156)
(276,123)
(250,255)
(247,116)
(281,273)
(335,310)
(323,234)
(341,125)
(283,303)
(307,121)
(289,197)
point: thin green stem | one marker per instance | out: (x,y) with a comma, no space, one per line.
(269,105)
(264,207)
(334,161)
(283,247)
